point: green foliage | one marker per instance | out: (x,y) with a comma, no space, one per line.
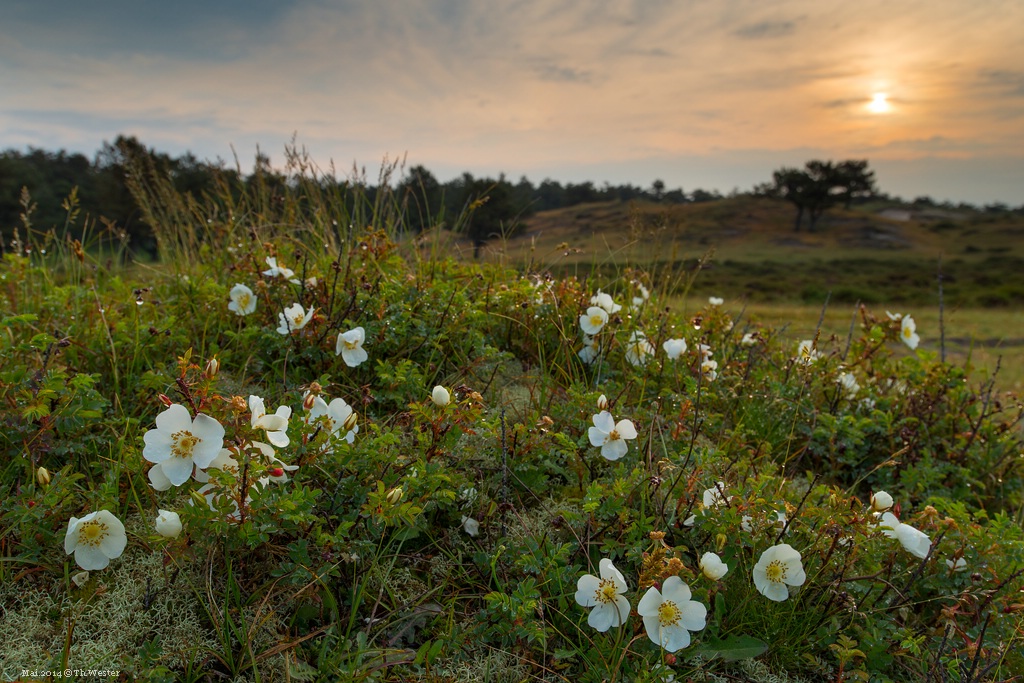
(354,526)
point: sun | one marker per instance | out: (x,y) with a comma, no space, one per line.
(879,104)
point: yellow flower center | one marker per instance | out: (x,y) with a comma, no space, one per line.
(92,533)
(605,592)
(669,613)
(613,435)
(243,301)
(775,571)
(907,332)
(351,345)
(596,321)
(297,319)
(183,443)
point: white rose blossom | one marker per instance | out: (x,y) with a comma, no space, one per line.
(168,524)
(908,332)
(669,614)
(294,318)
(674,348)
(95,539)
(638,350)
(611,436)
(779,568)
(243,301)
(915,542)
(180,443)
(594,320)
(605,595)
(350,347)
(605,301)
(712,566)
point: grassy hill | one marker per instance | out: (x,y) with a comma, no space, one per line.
(872,253)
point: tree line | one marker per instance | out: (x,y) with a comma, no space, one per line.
(35,184)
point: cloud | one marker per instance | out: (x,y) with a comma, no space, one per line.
(766,29)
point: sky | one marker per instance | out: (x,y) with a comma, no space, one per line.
(711,94)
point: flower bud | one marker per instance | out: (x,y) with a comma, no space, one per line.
(212,368)
(239,404)
(350,422)
(315,388)
(602,402)
(395,495)
(881,501)
(168,524)
(308,400)
(276,472)
(43,476)
(440,396)
(166,400)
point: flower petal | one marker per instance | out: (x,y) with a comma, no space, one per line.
(586,590)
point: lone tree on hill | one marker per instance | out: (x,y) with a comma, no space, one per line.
(819,186)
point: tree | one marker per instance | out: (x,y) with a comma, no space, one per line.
(820,186)
(422,199)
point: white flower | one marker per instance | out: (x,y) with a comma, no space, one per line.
(777,570)
(749,339)
(95,539)
(714,497)
(674,348)
(959,566)
(605,595)
(440,396)
(243,301)
(638,349)
(745,521)
(881,501)
(294,318)
(669,614)
(178,443)
(849,383)
(715,301)
(80,578)
(350,347)
(908,332)
(590,351)
(644,296)
(594,320)
(712,566)
(806,353)
(611,437)
(916,542)
(339,416)
(709,368)
(158,479)
(168,524)
(470,526)
(605,301)
(895,317)
(275,425)
(279,271)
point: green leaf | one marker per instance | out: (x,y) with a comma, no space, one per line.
(732,648)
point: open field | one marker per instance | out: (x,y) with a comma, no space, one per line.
(753,252)
(987,337)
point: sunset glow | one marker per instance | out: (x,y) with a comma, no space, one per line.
(879,104)
(696,94)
